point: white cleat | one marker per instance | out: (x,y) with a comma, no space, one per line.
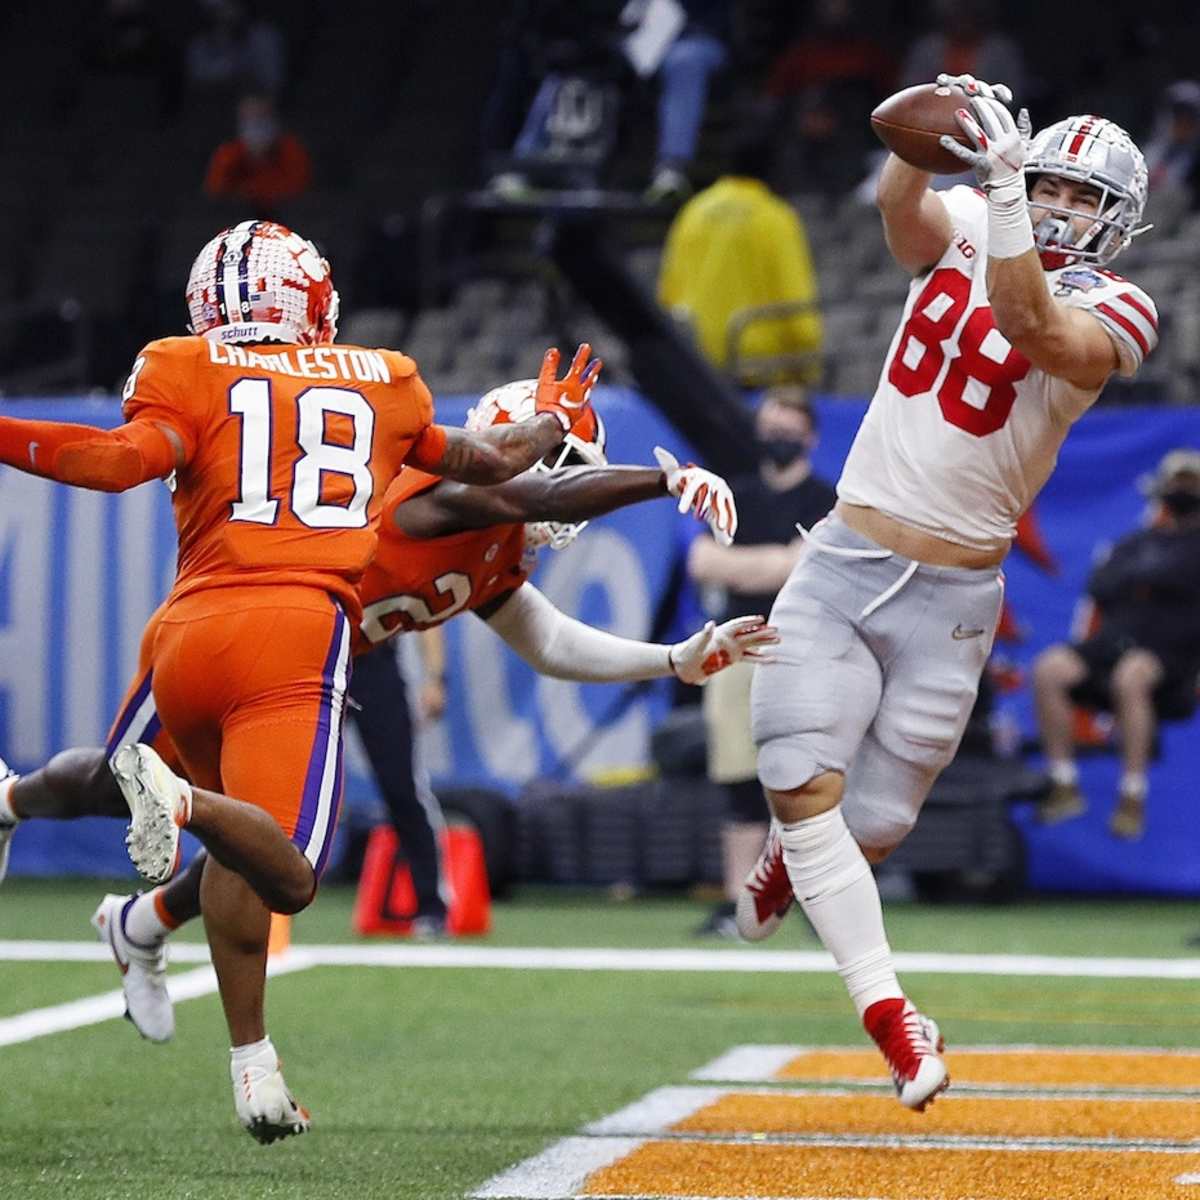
(159,806)
(143,971)
(7,828)
(264,1105)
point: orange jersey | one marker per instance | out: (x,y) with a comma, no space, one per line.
(288,451)
(413,583)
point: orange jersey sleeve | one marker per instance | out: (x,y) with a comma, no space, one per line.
(290,450)
(157,390)
(413,583)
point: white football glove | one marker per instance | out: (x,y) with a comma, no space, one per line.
(716,647)
(999,157)
(977,87)
(705,493)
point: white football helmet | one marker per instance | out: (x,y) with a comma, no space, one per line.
(1088,150)
(583,446)
(258,281)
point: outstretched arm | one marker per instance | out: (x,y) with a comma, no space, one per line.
(563,648)
(106,460)
(570,495)
(495,455)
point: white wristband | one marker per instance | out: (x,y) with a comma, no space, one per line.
(1010,232)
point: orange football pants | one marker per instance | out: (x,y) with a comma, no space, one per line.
(249,684)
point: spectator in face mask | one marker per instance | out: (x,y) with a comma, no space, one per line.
(781,494)
(263,165)
(1142,660)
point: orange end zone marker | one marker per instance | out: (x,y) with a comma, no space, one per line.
(697,1169)
(280,937)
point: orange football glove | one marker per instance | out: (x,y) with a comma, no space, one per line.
(566,398)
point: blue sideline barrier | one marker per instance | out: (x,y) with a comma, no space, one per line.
(79,574)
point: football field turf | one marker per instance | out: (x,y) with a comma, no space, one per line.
(440,1081)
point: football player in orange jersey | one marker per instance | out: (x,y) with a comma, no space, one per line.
(434,531)
(278,446)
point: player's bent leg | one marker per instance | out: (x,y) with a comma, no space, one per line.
(247,840)
(74,783)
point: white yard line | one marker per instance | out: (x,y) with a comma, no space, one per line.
(108,1006)
(534,958)
(560,1171)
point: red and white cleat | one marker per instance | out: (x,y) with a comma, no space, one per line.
(912,1045)
(766,895)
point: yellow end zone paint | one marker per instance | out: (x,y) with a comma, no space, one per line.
(962,1116)
(1027,1068)
(691,1169)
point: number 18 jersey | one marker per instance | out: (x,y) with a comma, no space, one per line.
(288,451)
(963,430)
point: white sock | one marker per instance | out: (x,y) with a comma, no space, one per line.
(1063,772)
(239,1056)
(1134,785)
(143,925)
(834,885)
(7,815)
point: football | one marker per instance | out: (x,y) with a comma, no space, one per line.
(910,122)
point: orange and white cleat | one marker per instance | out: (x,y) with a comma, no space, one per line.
(264,1105)
(766,895)
(912,1044)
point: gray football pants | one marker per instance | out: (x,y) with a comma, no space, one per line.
(877,672)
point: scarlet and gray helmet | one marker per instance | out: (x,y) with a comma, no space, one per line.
(583,446)
(1089,150)
(258,281)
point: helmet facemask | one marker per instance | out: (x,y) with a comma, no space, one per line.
(1100,154)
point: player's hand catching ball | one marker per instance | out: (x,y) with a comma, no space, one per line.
(716,647)
(566,398)
(977,87)
(998,159)
(706,494)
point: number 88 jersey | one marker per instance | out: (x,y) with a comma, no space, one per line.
(287,452)
(963,430)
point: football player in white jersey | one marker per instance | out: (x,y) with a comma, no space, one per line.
(1012,326)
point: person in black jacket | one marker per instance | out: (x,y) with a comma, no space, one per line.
(1143,661)
(780,494)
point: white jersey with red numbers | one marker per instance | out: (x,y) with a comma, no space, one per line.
(963,430)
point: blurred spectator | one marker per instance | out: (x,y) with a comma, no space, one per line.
(735,247)
(1173,152)
(124,37)
(263,165)
(964,44)
(699,49)
(743,579)
(553,104)
(236,51)
(1142,661)
(827,80)
(581,53)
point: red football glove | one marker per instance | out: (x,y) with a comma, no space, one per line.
(566,398)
